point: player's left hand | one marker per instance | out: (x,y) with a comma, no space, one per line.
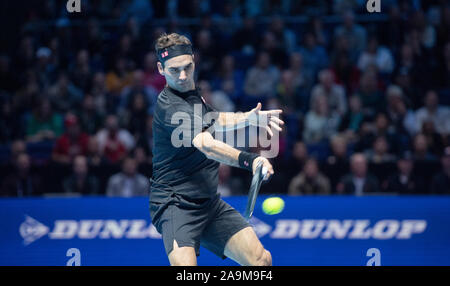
(266,119)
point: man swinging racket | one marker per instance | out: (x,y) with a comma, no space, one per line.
(184,204)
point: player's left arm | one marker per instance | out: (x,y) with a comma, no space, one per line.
(235,120)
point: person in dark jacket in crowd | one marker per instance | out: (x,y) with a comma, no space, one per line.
(359,181)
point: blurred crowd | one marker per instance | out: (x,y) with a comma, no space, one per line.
(366,101)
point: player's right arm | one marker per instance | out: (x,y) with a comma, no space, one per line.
(223,153)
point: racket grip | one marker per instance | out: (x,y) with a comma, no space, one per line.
(264,171)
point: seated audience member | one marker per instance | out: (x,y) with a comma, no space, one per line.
(22,182)
(441,181)
(319,123)
(81,181)
(90,118)
(337,164)
(128,183)
(432,111)
(72,143)
(359,181)
(295,163)
(114,142)
(421,149)
(334,93)
(310,181)
(352,120)
(43,123)
(261,79)
(402,118)
(380,152)
(405,181)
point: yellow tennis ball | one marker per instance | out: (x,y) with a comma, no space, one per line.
(272,206)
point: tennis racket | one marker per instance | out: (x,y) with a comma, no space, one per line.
(257,180)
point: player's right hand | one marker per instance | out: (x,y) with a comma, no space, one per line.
(266,164)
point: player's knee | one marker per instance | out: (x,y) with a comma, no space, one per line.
(268,259)
(265,259)
(182,258)
(261,257)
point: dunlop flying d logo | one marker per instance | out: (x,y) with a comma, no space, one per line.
(31,230)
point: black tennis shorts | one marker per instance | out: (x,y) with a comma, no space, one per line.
(208,222)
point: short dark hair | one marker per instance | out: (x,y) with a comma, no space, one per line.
(167,40)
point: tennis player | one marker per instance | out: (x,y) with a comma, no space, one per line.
(184,203)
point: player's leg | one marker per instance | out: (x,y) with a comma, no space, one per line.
(181,231)
(245,248)
(182,256)
(228,234)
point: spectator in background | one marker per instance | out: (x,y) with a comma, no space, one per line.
(353,119)
(371,96)
(229,79)
(72,143)
(376,55)
(11,123)
(369,131)
(135,115)
(145,140)
(44,68)
(402,118)
(80,72)
(90,118)
(345,72)
(287,93)
(245,39)
(209,52)
(43,123)
(301,78)
(334,93)
(128,183)
(81,181)
(310,181)
(64,95)
(135,87)
(94,155)
(434,140)
(315,56)
(405,181)
(270,45)
(22,182)
(420,148)
(261,79)
(102,100)
(319,123)
(355,33)
(358,182)
(152,77)
(283,35)
(114,142)
(379,153)
(432,111)
(217,99)
(441,181)
(25,98)
(337,165)
(406,74)
(118,77)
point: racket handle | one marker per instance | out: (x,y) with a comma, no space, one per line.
(264,173)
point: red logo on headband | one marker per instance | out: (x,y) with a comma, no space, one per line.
(164,54)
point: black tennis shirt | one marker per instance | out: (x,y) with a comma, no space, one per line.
(183,170)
